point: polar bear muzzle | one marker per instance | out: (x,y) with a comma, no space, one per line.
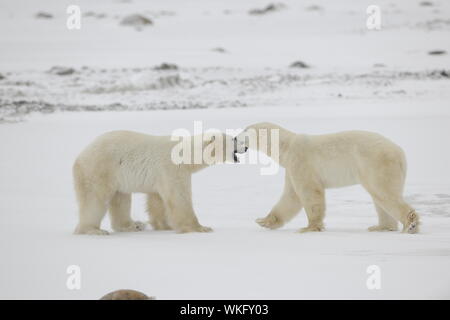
(239,145)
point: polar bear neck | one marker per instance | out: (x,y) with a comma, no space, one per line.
(198,157)
(285,138)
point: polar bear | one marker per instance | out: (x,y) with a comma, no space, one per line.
(316,162)
(119,163)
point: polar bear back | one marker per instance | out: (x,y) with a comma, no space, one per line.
(340,159)
(127,161)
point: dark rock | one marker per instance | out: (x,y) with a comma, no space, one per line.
(437,52)
(314,8)
(61,71)
(136,20)
(126,295)
(219,49)
(95,15)
(166,66)
(2,77)
(299,64)
(43,15)
(439,74)
(272,7)
(445,74)
(426,4)
(435,24)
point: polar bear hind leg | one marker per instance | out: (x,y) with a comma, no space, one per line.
(91,208)
(313,198)
(385,221)
(287,208)
(404,213)
(91,211)
(156,212)
(120,214)
(386,190)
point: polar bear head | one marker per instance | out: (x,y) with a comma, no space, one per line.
(241,143)
(209,148)
(257,136)
(265,137)
(219,147)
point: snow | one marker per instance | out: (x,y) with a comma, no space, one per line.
(407,101)
(239,259)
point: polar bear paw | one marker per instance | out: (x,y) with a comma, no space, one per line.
(379,228)
(314,228)
(270,222)
(159,225)
(412,224)
(413,227)
(199,228)
(138,226)
(92,232)
(204,229)
(134,226)
(98,232)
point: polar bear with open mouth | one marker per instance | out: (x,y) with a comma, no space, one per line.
(119,163)
(314,163)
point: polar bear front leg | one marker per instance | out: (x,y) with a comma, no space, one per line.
(182,217)
(180,212)
(314,202)
(287,208)
(120,214)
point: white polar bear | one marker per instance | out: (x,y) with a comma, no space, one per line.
(316,162)
(119,163)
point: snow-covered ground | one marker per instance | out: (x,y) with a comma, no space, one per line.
(382,81)
(240,259)
(225,56)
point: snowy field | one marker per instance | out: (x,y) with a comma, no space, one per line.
(232,70)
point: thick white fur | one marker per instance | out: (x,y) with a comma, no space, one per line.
(314,163)
(119,163)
